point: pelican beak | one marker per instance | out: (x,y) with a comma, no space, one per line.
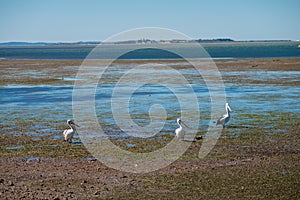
(229,109)
(184,124)
(74,124)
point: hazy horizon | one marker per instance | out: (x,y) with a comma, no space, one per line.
(91,41)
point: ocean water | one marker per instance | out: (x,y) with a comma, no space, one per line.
(214,50)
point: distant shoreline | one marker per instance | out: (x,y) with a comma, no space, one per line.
(141,42)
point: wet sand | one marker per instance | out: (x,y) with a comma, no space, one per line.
(54,71)
(260,163)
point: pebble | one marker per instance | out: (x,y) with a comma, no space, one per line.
(10,183)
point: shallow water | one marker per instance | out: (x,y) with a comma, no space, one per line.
(41,110)
(15,147)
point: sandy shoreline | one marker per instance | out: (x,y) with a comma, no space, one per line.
(287,64)
(262,163)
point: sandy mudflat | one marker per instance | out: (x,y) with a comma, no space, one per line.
(53,71)
(262,162)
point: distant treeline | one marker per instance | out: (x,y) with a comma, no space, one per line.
(215,40)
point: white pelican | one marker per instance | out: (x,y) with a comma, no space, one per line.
(178,131)
(69,133)
(225,118)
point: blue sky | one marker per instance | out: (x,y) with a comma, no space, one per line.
(95,20)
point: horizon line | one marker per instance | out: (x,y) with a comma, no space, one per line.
(146,39)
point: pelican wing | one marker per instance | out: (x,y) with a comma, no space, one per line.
(227,119)
(221,120)
(65,132)
(68,134)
